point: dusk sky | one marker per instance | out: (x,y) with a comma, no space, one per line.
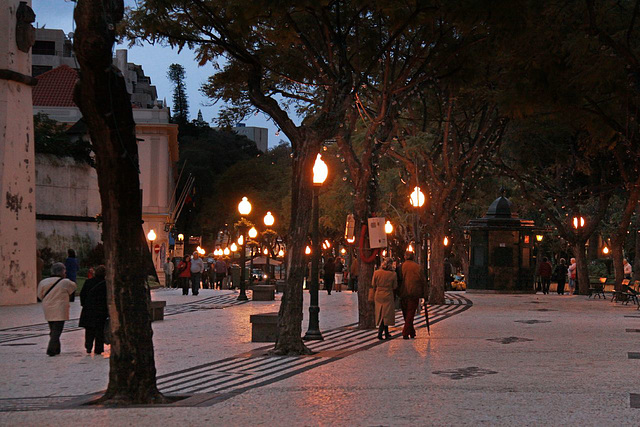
(155,61)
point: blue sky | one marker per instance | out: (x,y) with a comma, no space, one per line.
(155,60)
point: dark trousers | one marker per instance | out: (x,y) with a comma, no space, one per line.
(95,334)
(409,306)
(328,284)
(55,330)
(546,282)
(220,279)
(561,288)
(195,283)
(184,284)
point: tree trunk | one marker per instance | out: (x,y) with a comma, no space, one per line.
(290,314)
(582,267)
(366,313)
(636,262)
(436,275)
(618,268)
(106,108)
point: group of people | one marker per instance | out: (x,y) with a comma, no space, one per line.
(58,291)
(192,272)
(407,282)
(562,272)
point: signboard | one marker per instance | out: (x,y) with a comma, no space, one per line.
(179,249)
(195,240)
(156,249)
(377,236)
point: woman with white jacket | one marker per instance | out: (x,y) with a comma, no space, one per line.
(54,292)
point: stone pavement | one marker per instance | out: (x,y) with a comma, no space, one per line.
(490,359)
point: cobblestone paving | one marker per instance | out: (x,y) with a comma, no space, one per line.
(42,329)
(222,379)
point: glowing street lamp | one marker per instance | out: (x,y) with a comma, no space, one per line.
(410,248)
(180,237)
(281,253)
(244,208)
(269,219)
(578,222)
(539,237)
(253,233)
(445,241)
(307,250)
(417,198)
(388,227)
(320,173)
(605,250)
(227,252)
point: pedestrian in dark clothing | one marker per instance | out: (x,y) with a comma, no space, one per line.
(71,264)
(221,272)
(184,274)
(353,274)
(544,271)
(93,298)
(414,284)
(329,274)
(560,274)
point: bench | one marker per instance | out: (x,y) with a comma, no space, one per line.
(156,310)
(596,288)
(264,293)
(264,327)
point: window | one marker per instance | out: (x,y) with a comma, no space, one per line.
(43,47)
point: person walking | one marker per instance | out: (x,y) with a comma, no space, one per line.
(414,285)
(383,285)
(93,317)
(71,265)
(184,274)
(353,274)
(168,269)
(560,274)
(197,267)
(572,273)
(329,275)
(544,271)
(221,272)
(627,269)
(339,275)
(55,292)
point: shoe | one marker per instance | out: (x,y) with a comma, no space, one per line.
(88,351)
(98,352)
(380,337)
(195,295)
(51,354)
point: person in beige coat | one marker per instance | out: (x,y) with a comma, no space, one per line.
(384,282)
(54,292)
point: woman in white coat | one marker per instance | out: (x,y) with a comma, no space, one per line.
(54,292)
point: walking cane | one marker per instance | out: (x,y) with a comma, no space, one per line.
(426,316)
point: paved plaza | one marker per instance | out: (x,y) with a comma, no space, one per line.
(490,359)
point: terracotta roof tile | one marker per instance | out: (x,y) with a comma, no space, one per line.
(55,88)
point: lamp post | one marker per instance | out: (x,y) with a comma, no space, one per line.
(152,236)
(417,201)
(269,220)
(320,172)
(244,207)
(388,229)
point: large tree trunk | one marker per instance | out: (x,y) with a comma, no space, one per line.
(290,315)
(366,313)
(436,275)
(582,267)
(636,262)
(106,107)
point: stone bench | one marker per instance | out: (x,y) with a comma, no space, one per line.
(156,310)
(264,293)
(264,327)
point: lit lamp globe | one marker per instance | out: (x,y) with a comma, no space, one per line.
(307,250)
(241,240)
(244,207)
(388,227)
(234,248)
(253,233)
(410,248)
(227,251)
(151,235)
(180,237)
(445,241)
(266,251)
(269,219)
(539,237)
(417,198)
(578,222)
(281,253)
(320,171)
(605,250)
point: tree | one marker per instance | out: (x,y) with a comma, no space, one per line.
(132,374)
(51,137)
(176,74)
(306,55)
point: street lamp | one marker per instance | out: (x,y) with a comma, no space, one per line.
(388,227)
(605,250)
(227,252)
(539,237)
(320,172)
(417,200)
(578,222)
(269,220)
(244,207)
(445,241)
(253,233)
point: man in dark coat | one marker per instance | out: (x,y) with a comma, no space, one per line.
(544,271)
(414,285)
(93,298)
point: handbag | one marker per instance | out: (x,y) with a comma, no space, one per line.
(371,296)
(107,332)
